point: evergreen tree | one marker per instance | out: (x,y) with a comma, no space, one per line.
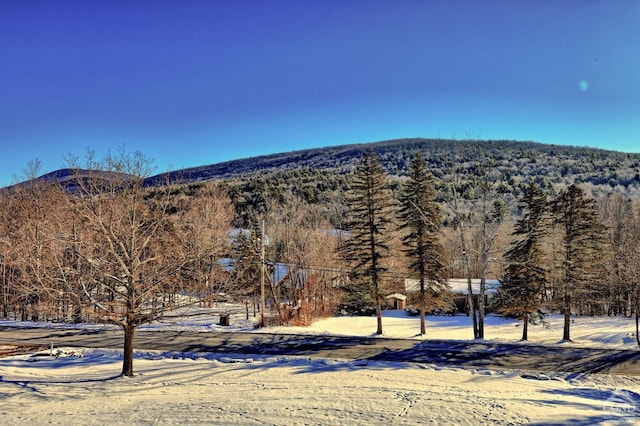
(525,275)
(421,218)
(370,217)
(582,233)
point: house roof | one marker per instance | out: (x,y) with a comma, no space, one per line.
(456,285)
(396,296)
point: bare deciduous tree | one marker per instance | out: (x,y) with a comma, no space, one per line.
(132,242)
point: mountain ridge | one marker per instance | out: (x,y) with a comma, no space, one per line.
(517,161)
(326,157)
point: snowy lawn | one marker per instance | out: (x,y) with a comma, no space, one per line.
(81,387)
(591,332)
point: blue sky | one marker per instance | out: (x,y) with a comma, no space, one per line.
(198,82)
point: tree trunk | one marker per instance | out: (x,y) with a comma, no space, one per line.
(525,327)
(637,309)
(481,305)
(472,308)
(567,316)
(467,267)
(376,282)
(379,315)
(567,326)
(422,306)
(127,361)
(637,326)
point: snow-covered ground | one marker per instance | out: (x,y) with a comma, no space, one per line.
(83,386)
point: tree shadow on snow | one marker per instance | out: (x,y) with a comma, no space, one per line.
(615,405)
(46,362)
(510,356)
(32,385)
(282,344)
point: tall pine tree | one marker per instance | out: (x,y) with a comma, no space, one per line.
(525,274)
(370,218)
(420,217)
(582,234)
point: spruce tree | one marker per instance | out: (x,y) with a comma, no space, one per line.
(370,218)
(420,217)
(525,276)
(582,234)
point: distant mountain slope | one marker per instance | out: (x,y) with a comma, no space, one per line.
(68,178)
(337,157)
(516,160)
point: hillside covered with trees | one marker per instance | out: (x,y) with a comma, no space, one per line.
(517,160)
(314,174)
(551,161)
(331,230)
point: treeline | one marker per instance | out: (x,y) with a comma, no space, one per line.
(104,245)
(314,174)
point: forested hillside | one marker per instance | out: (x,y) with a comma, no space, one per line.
(517,160)
(311,172)
(316,174)
(319,176)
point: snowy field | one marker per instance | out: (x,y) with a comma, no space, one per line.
(82,387)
